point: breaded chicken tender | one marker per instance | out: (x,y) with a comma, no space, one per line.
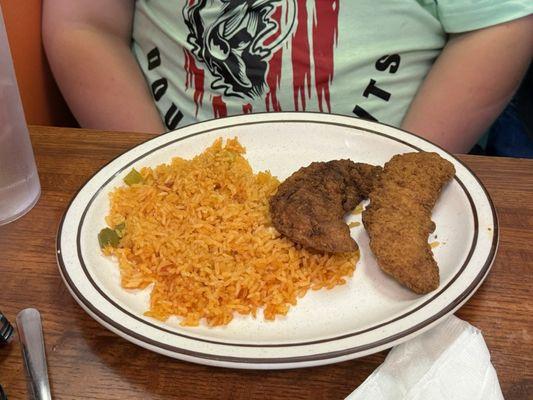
(309,206)
(398,220)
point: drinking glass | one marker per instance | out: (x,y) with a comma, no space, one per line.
(19,181)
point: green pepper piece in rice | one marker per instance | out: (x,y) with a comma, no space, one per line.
(133,177)
(108,237)
(119,229)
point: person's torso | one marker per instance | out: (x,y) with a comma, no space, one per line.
(210,58)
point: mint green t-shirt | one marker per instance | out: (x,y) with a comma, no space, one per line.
(205,59)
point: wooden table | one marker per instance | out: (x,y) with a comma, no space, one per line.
(86,361)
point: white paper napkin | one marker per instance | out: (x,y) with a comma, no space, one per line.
(450,361)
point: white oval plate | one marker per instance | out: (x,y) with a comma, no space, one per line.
(368,314)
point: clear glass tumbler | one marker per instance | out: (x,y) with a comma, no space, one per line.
(19,181)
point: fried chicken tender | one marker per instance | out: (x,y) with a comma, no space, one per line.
(398,220)
(309,206)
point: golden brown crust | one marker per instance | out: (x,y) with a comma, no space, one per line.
(309,206)
(398,220)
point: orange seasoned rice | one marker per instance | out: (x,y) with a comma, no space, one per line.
(200,231)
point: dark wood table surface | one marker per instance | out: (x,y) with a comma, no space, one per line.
(86,361)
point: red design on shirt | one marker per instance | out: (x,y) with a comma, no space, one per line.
(273,77)
(194,75)
(301,61)
(247,108)
(242,32)
(219,107)
(325,34)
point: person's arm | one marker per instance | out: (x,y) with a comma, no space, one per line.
(469,85)
(87,43)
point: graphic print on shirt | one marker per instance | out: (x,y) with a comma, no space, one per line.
(234,40)
(240,44)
